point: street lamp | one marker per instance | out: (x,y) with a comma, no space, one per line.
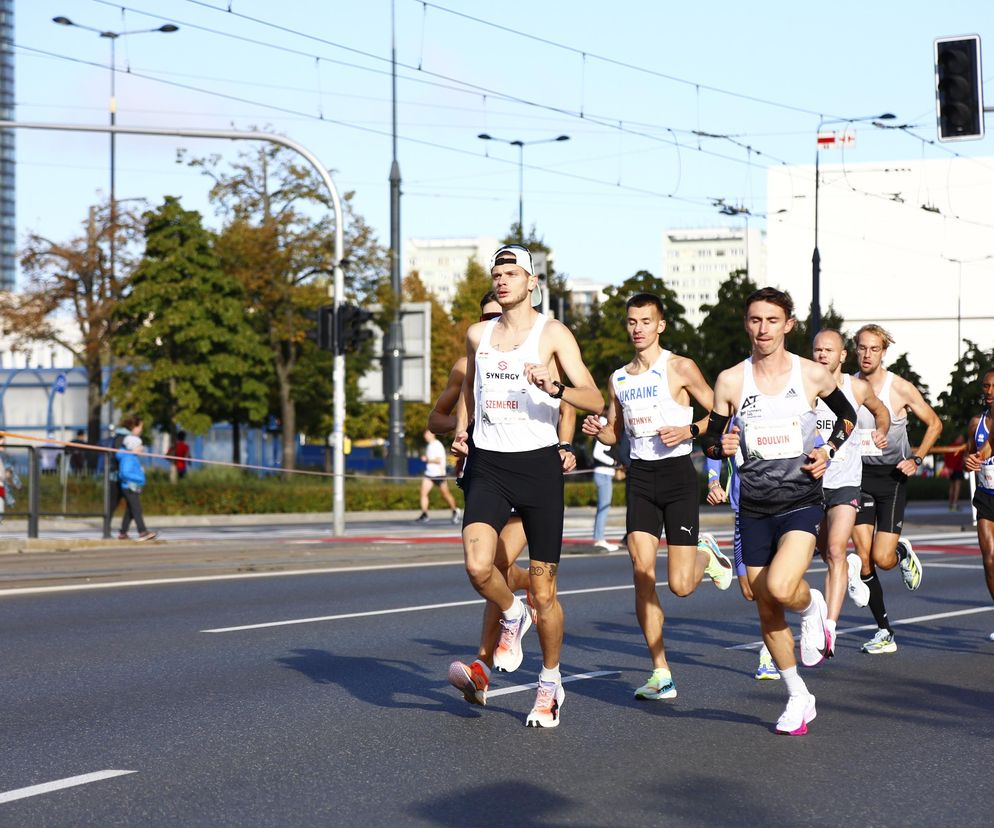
(521,169)
(816,256)
(959,295)
(112,37)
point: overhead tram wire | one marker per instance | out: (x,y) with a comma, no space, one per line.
(421,142)
(608,122)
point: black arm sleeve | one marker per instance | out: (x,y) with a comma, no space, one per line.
(711,438)
(845,414)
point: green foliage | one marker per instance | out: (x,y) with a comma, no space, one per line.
(962,401)
(723,341)
(182,330)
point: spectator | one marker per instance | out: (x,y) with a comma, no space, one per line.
(434,460)
(604,472)
(78,459)
(49,455)
(131,477)
(954,465)
(180,450)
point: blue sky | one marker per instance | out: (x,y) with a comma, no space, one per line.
(319,72)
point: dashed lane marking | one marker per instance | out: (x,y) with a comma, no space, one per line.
(59,784)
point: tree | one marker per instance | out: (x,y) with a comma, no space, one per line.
(278,242)
(902,367)
(963,399)
(723,341)
(77,279)
(181,329)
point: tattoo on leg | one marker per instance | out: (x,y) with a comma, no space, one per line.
(538,570)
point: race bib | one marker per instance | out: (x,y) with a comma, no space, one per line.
(985,476)
(867,448)
(505,405)
(643,421)
(774,439)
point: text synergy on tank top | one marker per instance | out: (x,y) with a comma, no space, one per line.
(511,413)
(648,406)
(985,474)
(847,467)
(778,434)
(898,447)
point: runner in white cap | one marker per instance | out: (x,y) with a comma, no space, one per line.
(515,367)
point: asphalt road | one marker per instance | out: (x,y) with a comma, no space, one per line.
(267,698)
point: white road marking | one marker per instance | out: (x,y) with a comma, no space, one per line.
(755,645)
(521,688)
(59,784)
(419,608)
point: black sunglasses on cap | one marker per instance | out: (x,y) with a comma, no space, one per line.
(486,317)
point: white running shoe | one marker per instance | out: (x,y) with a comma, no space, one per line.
(508,655)
(800,710)
(882,642)
(606,545)
(719,568)
(816,639)
(456,517)
(858,591)
(548,702)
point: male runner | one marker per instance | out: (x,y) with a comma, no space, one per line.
(842,479)
(434,460)
(772,396)
(474,679)
(650,399)
(885,480)
(981,460)
(513,365)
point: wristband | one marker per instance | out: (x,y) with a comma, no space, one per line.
(566,447)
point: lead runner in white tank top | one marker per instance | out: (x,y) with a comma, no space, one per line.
(512,414)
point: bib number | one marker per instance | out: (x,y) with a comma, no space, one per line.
(774,439)
(643,421)
(985,476)
(867,448)
(504,405)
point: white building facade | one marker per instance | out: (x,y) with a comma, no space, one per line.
(441,263)
(697,261)
(906,244)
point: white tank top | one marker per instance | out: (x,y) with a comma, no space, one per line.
(777,434)
(512,414)
(648,406)
(847,467)
(898,447)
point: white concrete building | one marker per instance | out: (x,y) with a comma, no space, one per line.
(697,261)
(441,263)
(906,244)
(583,294)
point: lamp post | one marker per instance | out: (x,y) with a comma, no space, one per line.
(959,295)
(521,169)
(816,256)
(112,37)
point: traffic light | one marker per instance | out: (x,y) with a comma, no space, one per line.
(352,329)
(959,90)
(322,328)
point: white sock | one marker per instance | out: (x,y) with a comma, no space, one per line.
(550,674)
(514,612)
(831,626)
(809,608)
(793,682)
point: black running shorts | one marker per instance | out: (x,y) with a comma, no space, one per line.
(528,482)
(663,494)
(984,501)
(884,494)
(842,496)
(761,534)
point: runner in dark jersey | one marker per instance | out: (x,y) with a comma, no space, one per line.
(981,461)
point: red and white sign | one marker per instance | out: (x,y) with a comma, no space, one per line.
(831,138)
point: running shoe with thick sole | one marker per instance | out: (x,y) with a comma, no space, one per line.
(719,568)
(882,642)
(911,567)
(659,686)
(456,517)
(471,681)
(858,591)
(816,639)
(800,711)
(548,703)
(508,655)
(767,670)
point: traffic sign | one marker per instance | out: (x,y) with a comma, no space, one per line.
(60,384)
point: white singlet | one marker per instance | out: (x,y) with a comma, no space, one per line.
(847,467)
(898,447)
(648,406)
(512,414)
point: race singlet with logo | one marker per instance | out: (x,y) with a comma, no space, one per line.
(898,447)
(648,406)
(846,468)
(512,414)
(985,474)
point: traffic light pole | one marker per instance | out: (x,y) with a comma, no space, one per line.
(338,287)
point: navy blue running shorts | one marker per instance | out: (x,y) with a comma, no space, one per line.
(761,534)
